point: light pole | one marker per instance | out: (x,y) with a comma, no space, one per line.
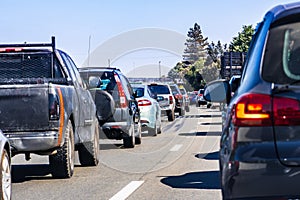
(159,68)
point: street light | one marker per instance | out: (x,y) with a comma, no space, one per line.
(159,68)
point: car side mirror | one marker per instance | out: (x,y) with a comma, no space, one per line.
(217,91)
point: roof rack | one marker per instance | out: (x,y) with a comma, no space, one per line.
(88,68)
(52,44)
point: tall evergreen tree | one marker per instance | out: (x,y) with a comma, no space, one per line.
(195,45)
(215,51)
(241,42)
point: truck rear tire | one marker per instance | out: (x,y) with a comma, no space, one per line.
(62,163)
(89,151)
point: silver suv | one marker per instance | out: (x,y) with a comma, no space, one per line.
(117,108)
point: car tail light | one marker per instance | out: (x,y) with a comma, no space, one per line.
(263,110)
(123,101)
(144,102)
(253,110)
(286,111)
(171,99)
(178,96)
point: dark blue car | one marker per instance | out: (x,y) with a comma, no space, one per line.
(260,142)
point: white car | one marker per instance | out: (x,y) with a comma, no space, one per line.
(150,111)
(166,98)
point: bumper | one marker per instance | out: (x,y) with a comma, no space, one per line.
(33,142)
(261,180)
(116,130)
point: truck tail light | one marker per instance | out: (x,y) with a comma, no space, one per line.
(123,101)
(144,102)
(54,105)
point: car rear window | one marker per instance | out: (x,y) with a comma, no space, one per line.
(159,89)
(281,63)
(139,91)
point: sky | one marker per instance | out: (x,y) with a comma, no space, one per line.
(80,27)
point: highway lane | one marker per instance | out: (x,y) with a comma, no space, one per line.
(180,163)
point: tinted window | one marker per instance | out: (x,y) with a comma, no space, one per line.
(282,54)
(159,89)
(139,91)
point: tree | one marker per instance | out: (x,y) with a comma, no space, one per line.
(241,42)
(215,51)
(195,45)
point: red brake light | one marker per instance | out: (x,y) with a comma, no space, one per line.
(144,102)
(171,99)
(253,110)
(178,96)
(123,101)
(10,49)
(262,110)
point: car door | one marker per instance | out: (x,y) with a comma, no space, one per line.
(85,106)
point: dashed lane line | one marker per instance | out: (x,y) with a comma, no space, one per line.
(176,147)
(127,190)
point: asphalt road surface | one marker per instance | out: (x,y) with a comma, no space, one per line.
(180,163)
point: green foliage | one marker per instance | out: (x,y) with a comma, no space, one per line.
(201,60)
(241,42)
(195,45)
(215,51)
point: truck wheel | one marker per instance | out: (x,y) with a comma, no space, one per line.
(171,115)
(89,151)
(62,163)
(5,176)
(129,141)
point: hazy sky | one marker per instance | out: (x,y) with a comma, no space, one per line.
(73,22)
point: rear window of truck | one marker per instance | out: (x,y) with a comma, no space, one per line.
(28,65)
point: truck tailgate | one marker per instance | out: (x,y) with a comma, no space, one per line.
(24,107)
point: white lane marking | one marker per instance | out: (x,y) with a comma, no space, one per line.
(127,190)
(176,147)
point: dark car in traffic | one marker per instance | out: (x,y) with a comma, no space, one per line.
(260,142)
(200,101)
(180,102)
(117,108)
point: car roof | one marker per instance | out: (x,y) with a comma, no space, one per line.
(283,10)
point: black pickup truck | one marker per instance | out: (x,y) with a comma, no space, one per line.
(45,107)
